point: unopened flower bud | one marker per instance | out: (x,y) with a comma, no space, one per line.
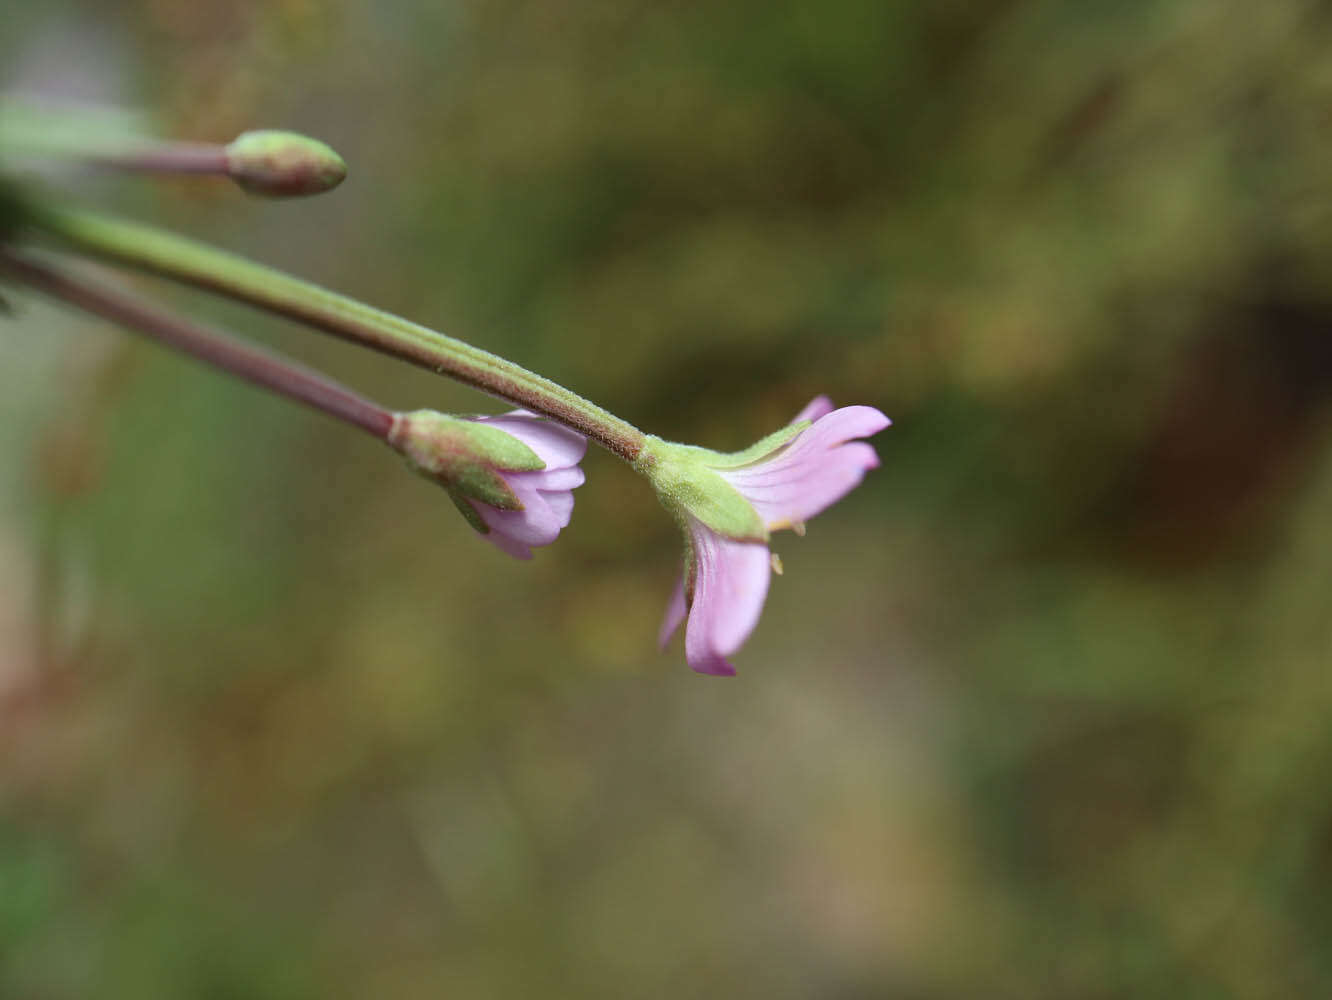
(511,476)
(283,164)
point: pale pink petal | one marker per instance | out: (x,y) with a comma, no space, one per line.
(498,538)
(518,525)
(819,406)
(788,492)
(814,471)
(846,424)
(675,613)
(559,479)
(544,493)
(561,504)
(555,445)
(535,524)
(730,586)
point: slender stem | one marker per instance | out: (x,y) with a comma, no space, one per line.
(210,346)
(166,158)
(184,260)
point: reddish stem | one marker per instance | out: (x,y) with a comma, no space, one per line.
(252,364)
(168,158)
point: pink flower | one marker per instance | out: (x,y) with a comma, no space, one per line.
(727,577)
(511,476)
(546,494)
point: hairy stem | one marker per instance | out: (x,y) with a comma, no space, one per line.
(149,249)
(210,346)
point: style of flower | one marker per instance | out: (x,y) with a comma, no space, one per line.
(781,482)
(511,476)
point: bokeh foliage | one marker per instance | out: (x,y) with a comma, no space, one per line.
(1044,709)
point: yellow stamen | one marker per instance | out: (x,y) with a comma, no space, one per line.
(776,563)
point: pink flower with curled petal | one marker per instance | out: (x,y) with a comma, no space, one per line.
(546,494)
(512,476)
(783,481)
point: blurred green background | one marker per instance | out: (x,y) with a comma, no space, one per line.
(1043,710)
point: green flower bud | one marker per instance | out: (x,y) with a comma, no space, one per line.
(283,164)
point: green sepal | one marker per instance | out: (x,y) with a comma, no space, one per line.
(500,448)
(465,457)
(687,485)
(759,450)
(468,512)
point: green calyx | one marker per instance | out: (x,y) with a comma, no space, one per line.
(465,457)
(283,164)
(688,484)
(687,481)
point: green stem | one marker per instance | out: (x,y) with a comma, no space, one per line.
(149,249)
